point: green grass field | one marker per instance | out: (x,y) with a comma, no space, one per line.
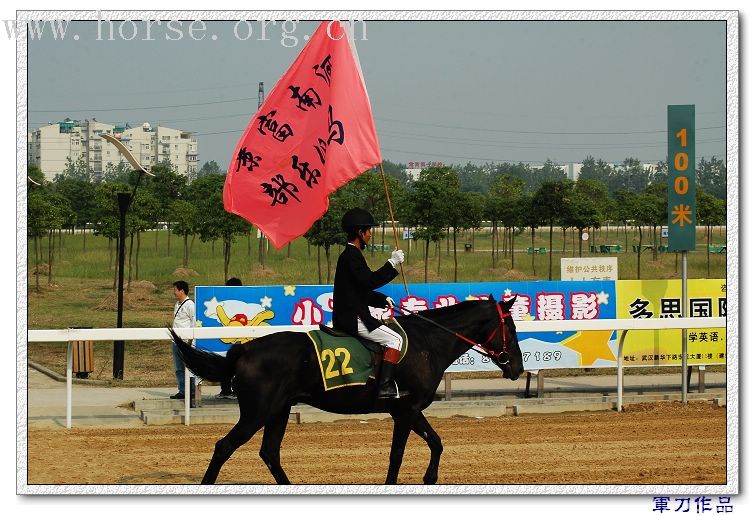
(81,293)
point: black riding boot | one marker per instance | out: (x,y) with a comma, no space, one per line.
(387,388)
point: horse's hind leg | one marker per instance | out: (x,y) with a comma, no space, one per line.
(425,431)
(272,438)
(226,446)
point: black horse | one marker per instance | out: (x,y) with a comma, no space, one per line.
(272,373)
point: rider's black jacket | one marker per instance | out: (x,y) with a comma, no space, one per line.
(353,290)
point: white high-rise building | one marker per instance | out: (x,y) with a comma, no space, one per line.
(50,146)
(154,145)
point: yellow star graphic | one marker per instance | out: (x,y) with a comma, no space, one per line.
(591,345)
(470,297)
(289,291)
(199,323)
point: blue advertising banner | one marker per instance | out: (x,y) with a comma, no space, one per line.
(541,300)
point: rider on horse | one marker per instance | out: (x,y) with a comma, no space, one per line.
(353,293)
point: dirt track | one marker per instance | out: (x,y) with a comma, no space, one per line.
(647,444)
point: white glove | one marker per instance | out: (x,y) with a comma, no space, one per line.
(390,302)
(397,256)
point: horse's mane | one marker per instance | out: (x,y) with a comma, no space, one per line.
(450,315)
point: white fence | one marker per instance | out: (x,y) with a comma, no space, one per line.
(110,334)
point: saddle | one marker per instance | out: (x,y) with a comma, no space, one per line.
(369,344)
(346,360)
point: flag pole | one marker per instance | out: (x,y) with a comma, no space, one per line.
(393,221)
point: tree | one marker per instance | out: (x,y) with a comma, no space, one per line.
(34,173)
(57,212)
(711,211)
(659,175)
(520,171)
(550,201)
(622,212)
(185,217)
(107,216)
(214,221)
(327,231)
(581,213)
(121,172)
(593,170)
(167,185)
(475,211)
(549,172)
(39,212)
(81,197)
(657,211)
(630,175)
(711,176)
(532,218)
(462,210)
(430,197)
(78,169)
(368,192)
(643,210)
(142,215)
(597,191)
(505,204)
(474,178)
(396,171)
(209,168)
(493,206)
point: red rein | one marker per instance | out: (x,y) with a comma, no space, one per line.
(482,348)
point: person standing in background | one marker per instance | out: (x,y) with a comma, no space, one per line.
(184,313)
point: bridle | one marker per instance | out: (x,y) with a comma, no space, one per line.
(480,348)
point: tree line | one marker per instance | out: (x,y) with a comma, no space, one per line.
(441,203)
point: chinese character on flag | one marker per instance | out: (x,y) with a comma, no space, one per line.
(313,134)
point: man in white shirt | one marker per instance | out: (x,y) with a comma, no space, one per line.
(183,317)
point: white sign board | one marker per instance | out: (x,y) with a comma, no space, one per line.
(589,269)
(408,234)
(664,232)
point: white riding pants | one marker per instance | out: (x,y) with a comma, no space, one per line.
(383,335)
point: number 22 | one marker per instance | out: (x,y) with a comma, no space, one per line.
(330,356)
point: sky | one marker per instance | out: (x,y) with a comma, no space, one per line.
(449,91)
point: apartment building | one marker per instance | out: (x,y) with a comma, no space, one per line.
(50,146)
(154,145)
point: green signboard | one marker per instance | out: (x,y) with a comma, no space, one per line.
(682,211)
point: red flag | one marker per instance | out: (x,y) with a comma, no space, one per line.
(312,134)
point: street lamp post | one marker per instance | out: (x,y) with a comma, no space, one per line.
(124,202)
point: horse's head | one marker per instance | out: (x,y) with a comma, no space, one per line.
(508,355)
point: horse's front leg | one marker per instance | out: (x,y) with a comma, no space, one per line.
(427,433)
(402,426)
(272,438)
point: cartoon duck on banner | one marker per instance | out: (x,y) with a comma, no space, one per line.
(237,313)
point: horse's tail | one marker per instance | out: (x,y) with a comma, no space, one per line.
(205,364)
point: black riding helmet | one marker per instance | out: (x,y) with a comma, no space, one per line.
(357,218)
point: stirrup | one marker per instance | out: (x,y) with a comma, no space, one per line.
(394,393)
